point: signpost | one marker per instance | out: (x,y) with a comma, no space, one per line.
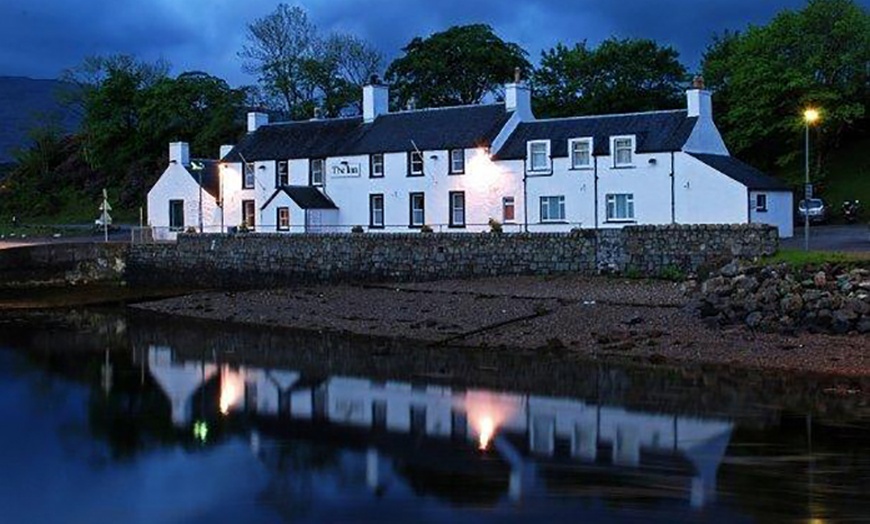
(104,215)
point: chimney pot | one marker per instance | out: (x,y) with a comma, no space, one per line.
(698,82)
(518,75)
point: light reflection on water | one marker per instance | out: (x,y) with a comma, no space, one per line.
(195,439)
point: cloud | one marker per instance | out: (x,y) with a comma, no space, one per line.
(41,40)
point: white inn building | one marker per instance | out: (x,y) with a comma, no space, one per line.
(459,168)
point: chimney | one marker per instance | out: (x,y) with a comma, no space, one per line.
(225,150)
(256,120)
(518,97)
(179,153)
(376,100)
(699,100)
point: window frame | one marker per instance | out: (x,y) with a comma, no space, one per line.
(253,223)
(278,225)
(322,163)
(560,207)
(453,170)
(615,153)
(411,156)
(759,206)
(574,141)
(249,168)
(373,163)
(452,222)
(513,206)
(372,198)
(180,203)
(411,197)
(286,174)
(548,161)
(629,206)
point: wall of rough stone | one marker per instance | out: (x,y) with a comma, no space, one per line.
(62,263)
(257,260)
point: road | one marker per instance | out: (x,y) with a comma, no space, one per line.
(851,238)
(120,234)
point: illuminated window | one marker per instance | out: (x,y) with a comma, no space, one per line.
(581,152)
(552,208)
(316,175)
(539,155)
(620,207)
(283,219)
(283,173)
(508,209)
(377,166)
(457,161)
(622,150)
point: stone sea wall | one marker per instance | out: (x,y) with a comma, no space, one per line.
(61,264)
(258,260)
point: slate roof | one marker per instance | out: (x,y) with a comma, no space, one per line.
(210,175)
(428,129)
(741,172)
(306,197)
(655,131)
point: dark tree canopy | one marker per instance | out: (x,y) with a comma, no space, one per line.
(764,77)
(616,77)
(458,66)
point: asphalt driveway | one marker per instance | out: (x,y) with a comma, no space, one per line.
(852,238)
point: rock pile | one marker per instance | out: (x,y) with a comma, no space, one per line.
(785,299)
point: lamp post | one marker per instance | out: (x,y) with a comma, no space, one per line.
(811,116)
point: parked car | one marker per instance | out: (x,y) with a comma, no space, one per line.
(818,211)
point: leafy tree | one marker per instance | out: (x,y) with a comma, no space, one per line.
(461,65)
(618,76)
(765,76)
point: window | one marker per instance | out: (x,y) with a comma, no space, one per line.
(620,208)
(282,177)
(316,175)
(283,219)
(508,209)
(539,155)
(581,152)
(622,150)
(457,209)
(457,161)
(376,169)
(248,214)
(248,182)
(176,215)
(376,211)
(552,208)
(418,210)
(761,203)
(415,163)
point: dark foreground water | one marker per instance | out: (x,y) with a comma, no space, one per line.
(108,417)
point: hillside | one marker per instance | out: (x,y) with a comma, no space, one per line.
(25,103)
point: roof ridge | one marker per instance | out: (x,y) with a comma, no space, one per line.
(442,108)
(312,120)
(607,115)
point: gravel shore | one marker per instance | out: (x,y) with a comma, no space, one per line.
(594,317)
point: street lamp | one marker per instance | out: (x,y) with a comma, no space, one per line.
(811,116)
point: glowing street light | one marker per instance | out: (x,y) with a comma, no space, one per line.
(811,116)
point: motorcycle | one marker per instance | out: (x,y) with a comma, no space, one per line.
(851,210)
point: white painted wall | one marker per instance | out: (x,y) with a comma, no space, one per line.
(703,195)
(176,183)
(649,181)
(780,211)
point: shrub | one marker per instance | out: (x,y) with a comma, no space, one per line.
(425,228)
(357,229)
(495,226)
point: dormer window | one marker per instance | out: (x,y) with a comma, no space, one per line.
(622,149)
(580,150)
(248,180)
(539,156)
(317,169)
(415,163)
(283,174)
(457,161)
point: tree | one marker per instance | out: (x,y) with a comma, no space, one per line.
(461,65)
(765,76)
(351,63)
(618,76)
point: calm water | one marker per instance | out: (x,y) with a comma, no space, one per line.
(108,417)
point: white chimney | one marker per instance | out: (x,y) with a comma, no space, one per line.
(256,120)
(179,153)
(376,100)
(225,150)
(518,97)
(698,100)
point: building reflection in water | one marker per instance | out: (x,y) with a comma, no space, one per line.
(530,434)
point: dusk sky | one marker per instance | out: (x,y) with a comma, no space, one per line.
(40,38)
